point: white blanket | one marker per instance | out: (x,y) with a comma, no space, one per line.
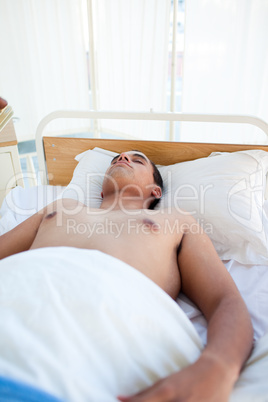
(87,327)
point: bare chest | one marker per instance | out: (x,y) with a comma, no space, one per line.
(147,242)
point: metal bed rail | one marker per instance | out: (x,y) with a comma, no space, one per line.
(162,116)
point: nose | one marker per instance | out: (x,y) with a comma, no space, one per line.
(124,156)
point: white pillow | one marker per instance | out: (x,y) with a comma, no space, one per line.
(224,192)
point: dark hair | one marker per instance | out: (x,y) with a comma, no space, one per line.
(159,181)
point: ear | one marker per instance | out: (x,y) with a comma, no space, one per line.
(156,192)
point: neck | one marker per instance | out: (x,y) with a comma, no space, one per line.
(116,201)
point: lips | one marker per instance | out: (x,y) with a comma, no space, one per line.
(122,163)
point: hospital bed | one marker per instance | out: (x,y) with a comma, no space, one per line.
(224,186)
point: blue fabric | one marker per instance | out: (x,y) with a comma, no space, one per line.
(15,391)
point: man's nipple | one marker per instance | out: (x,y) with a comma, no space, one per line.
(149,223)
(51,215)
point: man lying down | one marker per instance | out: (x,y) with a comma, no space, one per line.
(87,299)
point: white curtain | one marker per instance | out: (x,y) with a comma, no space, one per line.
(131,59)
(225,66)
(43,60)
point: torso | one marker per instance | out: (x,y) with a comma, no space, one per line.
(147,240)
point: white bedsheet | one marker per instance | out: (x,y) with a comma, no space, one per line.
(87,327)
(252,385)
(252,283)
(21,203)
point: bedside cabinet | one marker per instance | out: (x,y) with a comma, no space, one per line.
(10,169)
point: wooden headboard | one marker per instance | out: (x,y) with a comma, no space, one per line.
(61,151)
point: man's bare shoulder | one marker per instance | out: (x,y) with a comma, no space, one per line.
(67,205)
(181,218)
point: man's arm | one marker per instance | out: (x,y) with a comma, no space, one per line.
(207,283)
(21,237)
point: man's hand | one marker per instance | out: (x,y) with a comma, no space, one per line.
(204,381)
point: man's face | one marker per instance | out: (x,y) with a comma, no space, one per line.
(131,168)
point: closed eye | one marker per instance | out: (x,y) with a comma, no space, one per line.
(114,160)
(138,161)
